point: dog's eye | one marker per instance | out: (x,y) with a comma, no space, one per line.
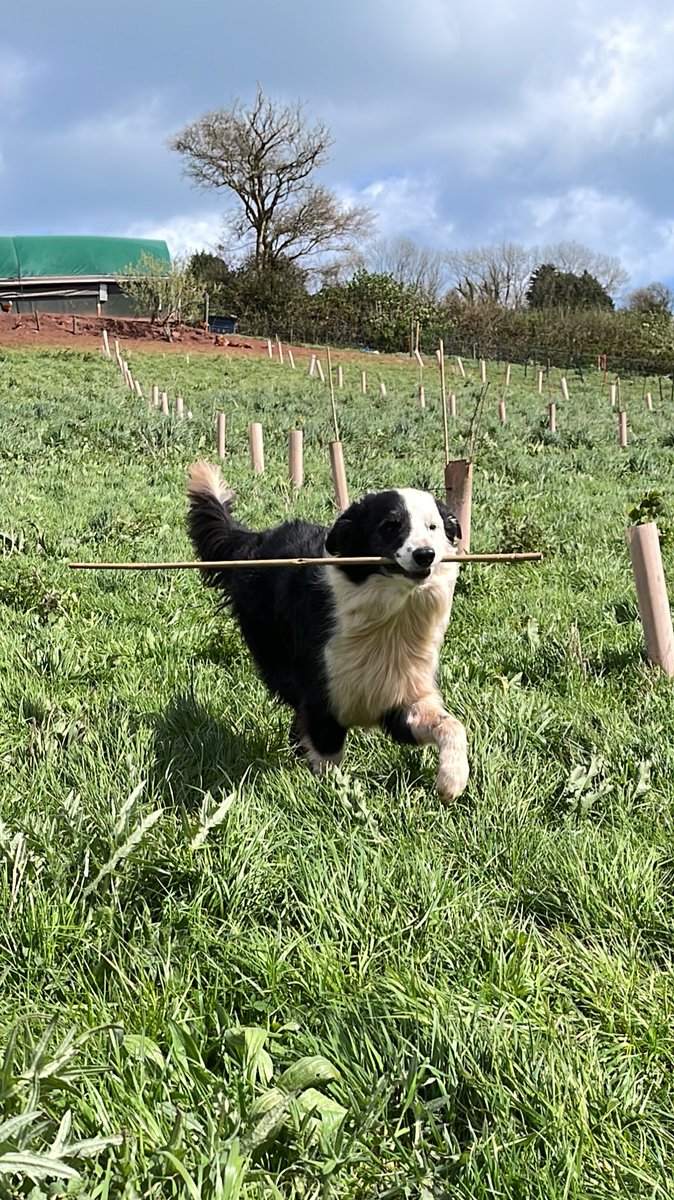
(390,525)
(432,527)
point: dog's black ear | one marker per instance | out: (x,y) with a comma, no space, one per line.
(452,527)
(339,537)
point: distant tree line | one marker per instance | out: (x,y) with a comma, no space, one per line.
(298,262)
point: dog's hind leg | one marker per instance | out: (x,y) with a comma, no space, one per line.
(319,737)
(426,721)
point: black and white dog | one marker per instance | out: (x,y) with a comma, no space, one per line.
(344,646)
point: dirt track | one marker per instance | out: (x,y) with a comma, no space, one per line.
(55,330)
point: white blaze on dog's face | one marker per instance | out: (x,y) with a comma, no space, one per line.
(405,525)
(425,543)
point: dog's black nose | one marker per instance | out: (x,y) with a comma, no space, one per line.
(423,556)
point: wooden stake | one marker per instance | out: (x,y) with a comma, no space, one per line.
(540,383)
(382,387)
(256,447)
(363,382)
(419,360)
(552,416)
(622,428)
(155,396)
(118,353)
(502,412)
(507,376)
(139,390)
(106,344)
(612,393)
(312,365)
(340,376)
(279,348)
(180,407)
(319,370)
(165,404)
(459,496)
(291,358)
(651,588)
(459,363)
(295,457)
(483,370)
(270,352)
(221,433)
(332,397)
(649,402)
(422,396)
(452,404)
(339,475)
(443,399)
(565,387)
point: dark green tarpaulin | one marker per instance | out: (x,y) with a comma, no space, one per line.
(40,257)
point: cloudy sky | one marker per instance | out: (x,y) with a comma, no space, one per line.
(460,122)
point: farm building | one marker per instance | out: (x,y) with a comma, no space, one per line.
(72,274)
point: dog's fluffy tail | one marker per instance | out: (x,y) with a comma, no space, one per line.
(215,533)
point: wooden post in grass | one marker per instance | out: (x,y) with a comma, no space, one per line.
(180,407)
(382,387)
(312,365)
(483,371)
(540,383)
(619,391)
(295,457)
(612,393)
(649,402)
(552,416)
(443,398)
(155,396)
(622,428)
(363,383)
(165,404)
(421,394)
(291,358)
(452,404)
(339,475)
(459,496)
(270,352)
(279,348)
(340,376)
(139,390)
(319,370)
(565,387)
(506,382)
(256,447)
(649,579)
(221,433)
(106,344)
(459,363)
(502,412)
(128,377)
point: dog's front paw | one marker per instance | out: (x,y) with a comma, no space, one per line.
(453,769)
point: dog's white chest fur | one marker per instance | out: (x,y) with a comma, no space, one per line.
(384,651)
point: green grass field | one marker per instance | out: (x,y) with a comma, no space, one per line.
(221,977)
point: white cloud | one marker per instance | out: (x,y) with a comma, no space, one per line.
(404,205)
(183,234)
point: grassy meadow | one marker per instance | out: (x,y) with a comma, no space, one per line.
(221,977)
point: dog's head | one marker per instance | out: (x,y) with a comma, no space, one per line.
(408,526)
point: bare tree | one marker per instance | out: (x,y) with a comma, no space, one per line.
(492,273)
(653,298)
(265,156)
(576,258)
(418,267)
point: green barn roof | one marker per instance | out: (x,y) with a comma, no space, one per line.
(68,257)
